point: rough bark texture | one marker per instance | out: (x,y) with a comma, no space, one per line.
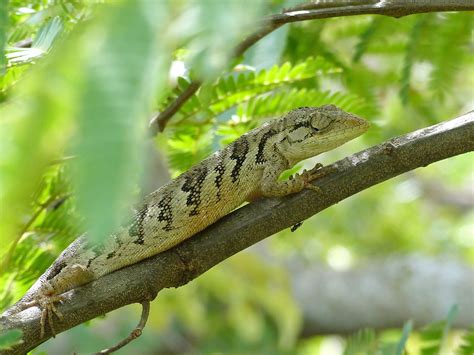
(247,226)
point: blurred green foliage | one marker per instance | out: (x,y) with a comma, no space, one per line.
(79,81)
(9,339)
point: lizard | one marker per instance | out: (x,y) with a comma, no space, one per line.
(244,170)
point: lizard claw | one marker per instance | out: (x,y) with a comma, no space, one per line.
(319,171)
(48,310)
(316,172)
(310,186)
(316,168)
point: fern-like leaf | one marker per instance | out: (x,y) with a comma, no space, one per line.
(362,342)
(230,90)
(453,38)
(267,106)
(187,146)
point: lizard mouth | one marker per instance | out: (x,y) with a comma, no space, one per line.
(352,124)
(354,127)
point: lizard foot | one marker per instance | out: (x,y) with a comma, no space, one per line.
(48,309)
(51,293)
(317,172)
(46,304)
(320,171)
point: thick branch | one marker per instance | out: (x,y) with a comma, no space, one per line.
(313,11)
(248,225)
(383,294)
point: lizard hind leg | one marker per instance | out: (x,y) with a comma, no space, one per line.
(45,302)
(52,290)
(48,309)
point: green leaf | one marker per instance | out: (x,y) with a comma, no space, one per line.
(188,146)
(10,339)
(267,106)
(47,34)
(183,83)
(113,110)
(407,328)
(364,342)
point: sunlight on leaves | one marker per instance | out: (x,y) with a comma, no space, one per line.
(10,338)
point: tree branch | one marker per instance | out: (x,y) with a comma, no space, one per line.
(313,11)
(248,225)
(397,9)
(384,294)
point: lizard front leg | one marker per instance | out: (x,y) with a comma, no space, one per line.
(317,172)
(272,187)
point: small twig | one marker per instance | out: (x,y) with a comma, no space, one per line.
(159,121)
(326,4)
(255,37)
(135,333)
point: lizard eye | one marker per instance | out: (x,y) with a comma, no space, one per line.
(315,124)
(320,123)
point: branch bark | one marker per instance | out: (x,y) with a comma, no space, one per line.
(246,226)
(313,11)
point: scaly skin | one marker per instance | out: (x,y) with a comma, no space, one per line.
(244,170)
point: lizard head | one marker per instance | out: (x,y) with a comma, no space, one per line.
(309,131)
